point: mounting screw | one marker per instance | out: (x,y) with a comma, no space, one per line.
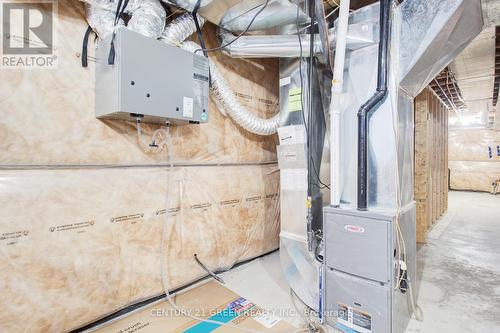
(148,95)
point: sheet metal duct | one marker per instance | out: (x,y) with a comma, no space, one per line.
(432,34)
(425,37)
(269,46)
(363,31)
(235,15)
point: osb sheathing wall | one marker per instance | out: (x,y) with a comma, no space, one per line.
(83,206)
(471,167)
(431,162)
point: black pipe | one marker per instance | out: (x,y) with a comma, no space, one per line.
(367,109)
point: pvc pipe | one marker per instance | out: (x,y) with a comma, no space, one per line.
(335,114)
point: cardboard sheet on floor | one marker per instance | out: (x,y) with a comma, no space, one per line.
(210,300)
(81,244)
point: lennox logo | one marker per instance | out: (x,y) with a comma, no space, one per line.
(28,33)
(354,228)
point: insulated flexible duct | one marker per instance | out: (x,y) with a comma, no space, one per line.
(175,33)
(147,17)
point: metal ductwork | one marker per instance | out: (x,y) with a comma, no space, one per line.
(432,34)
(236,15)
(425,37)
(360,34)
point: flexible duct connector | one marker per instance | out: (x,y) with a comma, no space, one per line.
(178,31)
(147,17)
(232,106)
(101,18)
(188,5)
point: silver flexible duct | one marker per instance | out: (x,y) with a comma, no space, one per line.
(175,33)
(180,29)
(188,4)
(101,18)
(147,17)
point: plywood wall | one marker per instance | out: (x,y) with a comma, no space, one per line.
(83,203)
(472,168)
(431,160)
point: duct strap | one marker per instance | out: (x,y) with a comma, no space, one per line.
(120,8)
(85,46)
(198,29)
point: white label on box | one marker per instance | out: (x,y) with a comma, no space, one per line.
(292,135)
(285,81)
(350,319)
(294,179)
(187,108)
(266,320)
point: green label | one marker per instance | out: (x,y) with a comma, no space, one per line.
(295,100)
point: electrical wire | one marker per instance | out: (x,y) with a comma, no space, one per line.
(311,325)
(297,24)
(209,272)
(237,37)
(164,253)
(400,239)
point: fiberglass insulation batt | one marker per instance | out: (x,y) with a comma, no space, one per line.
(83,204)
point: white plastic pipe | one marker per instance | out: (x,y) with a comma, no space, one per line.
(335,114)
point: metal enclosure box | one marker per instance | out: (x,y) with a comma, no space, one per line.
(149,78)
(361,267)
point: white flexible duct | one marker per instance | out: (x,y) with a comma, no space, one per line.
(175,33)
(147,17)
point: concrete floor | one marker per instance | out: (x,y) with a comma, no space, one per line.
(458,272)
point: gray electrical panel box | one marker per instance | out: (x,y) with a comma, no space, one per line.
(151,80)
(361,270)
